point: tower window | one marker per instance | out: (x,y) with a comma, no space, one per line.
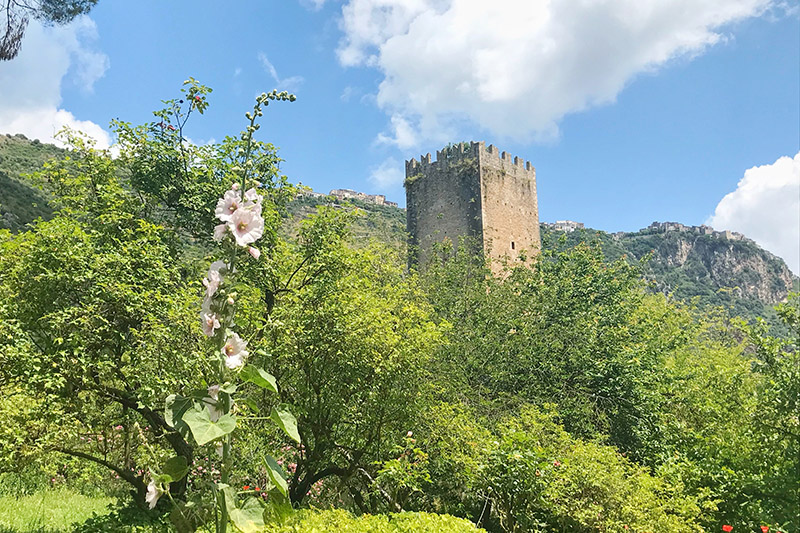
(512,245)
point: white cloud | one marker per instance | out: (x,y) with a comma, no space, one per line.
(402,133)
(285,84)
(388,175)
(516,67)
(766,208)
(31,83)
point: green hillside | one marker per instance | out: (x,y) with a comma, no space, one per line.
(20,202)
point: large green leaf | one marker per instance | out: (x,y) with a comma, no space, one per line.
(203,429)
(174,409)
(261,378)
(249,517)
(286,421)
(276,474)
(175,468)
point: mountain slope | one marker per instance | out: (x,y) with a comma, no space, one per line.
(20,202)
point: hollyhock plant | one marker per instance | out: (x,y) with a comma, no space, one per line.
(247,226)
(213,278)
(220,231)
(235,351)
(154,492)
(228,205)
(213,417)
(214,410)
(210,324)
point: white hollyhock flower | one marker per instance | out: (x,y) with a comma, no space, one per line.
(213,392)
(210,324)
(247,226)
(235,351)
(255,252)
(220,231)
(251,195)
(154,492)
(252,201)
(227,205)
(214,412)
(213,278)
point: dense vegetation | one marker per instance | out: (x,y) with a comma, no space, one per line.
(560,397)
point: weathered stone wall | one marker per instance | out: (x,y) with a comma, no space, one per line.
(510,211)
(442,200)
(472,190)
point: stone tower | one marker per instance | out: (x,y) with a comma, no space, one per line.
(472,190)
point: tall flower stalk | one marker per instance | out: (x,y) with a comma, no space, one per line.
(211,415)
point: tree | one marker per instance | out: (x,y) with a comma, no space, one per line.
(15,15)
(98,319)
(350,342)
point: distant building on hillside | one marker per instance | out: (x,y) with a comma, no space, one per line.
(347,194)
(664,227)
(567,226)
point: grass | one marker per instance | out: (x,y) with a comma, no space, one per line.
(52,511)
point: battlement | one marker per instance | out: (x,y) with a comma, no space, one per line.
(455,153)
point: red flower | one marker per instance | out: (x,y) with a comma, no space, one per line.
(197,98)
(727,529)
(258,489)
(171,127)
(765,529)
(246,487)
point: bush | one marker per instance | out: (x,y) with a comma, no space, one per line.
(343,522)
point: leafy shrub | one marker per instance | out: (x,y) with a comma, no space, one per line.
(538,478)
(341,521)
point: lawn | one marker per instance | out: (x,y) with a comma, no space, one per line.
(52,511)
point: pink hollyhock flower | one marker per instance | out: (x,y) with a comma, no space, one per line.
(247,226)
(154,492)
(255,252)
(220,231)
(227,205)
(210,324)
(235,351)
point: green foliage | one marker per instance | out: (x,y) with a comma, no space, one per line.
(537,478)
(349,348)
(344,522)
(125,518)
(182,182)
(567,332)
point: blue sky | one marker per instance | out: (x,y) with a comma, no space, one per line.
(630,110)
